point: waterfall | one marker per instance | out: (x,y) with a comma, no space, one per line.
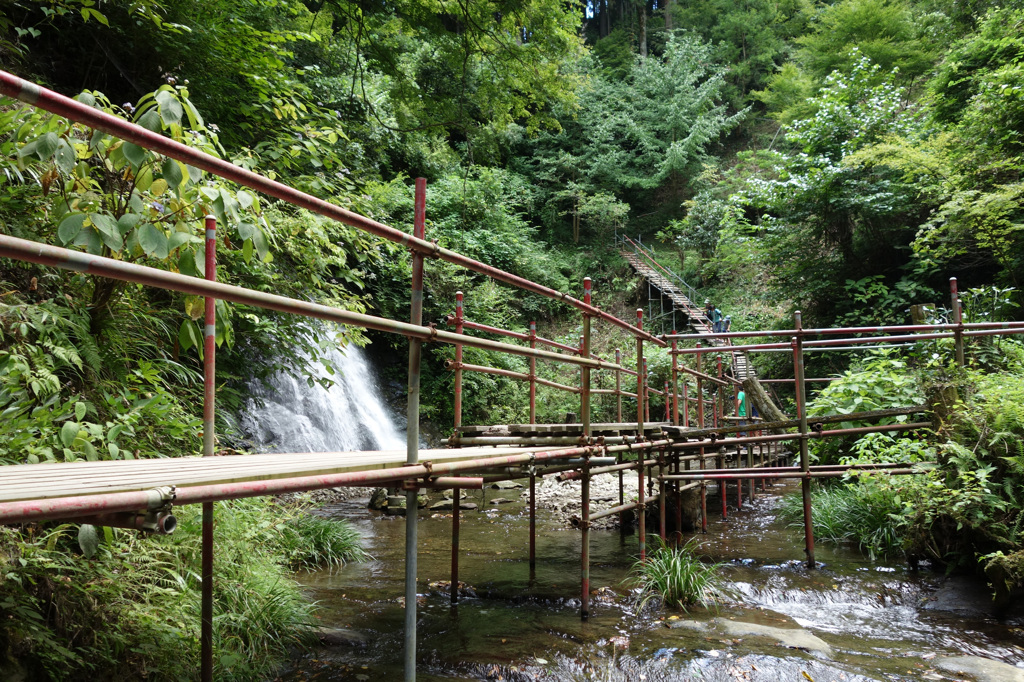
(297,417)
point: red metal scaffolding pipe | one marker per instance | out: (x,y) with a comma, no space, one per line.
(40,97)
(54,256)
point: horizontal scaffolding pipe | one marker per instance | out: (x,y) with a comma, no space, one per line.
(526,440)
(786,333)
(784,437)
(774,473)
(515,335)
(611,391)
(520,376)
(66,259)
(625,466)
(621,508)
(88,505)
(447,483)
(40,97)
(819,467)
(793,423)
(845,343)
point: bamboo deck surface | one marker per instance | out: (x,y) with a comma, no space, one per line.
(70,479)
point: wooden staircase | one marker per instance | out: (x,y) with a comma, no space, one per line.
(662,279)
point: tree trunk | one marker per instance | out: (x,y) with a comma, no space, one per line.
(759,398)
(643,30)
(668,14)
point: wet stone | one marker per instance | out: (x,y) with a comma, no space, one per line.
(443,505)
(469,506)
(982,669)
(964,596)
(501,500)
(378,499)
(794,638)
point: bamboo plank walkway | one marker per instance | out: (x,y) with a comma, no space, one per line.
(70,479)
(696,318)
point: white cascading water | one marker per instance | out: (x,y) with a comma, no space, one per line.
(297,417)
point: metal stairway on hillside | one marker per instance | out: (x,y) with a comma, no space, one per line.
(682,296)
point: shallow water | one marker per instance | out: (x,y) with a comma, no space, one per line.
(523,627)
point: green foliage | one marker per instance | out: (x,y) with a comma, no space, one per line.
(79,616)
(676,577)
(888,32)
(880,381)
(867,513)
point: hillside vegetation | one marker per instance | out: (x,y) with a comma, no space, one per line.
(843,159)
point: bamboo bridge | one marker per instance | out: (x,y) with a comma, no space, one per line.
(687,448)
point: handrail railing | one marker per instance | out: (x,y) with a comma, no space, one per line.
(40,97)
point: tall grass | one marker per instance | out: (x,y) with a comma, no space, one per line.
(864,513)
(676,576)
(132,612)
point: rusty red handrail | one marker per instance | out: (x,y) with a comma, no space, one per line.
(42,98)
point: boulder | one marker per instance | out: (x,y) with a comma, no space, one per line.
(341,637)
(982,669)
(378,499)
(794,638)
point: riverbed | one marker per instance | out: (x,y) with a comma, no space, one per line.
(849,619)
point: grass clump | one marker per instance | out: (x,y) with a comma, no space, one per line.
(866,514)
(676,576)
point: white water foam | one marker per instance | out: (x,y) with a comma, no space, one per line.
(297,417)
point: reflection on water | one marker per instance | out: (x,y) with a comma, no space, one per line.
(523,627)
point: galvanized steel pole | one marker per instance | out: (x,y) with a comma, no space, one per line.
(413,435)
(209,398)
(533,374)
(585,488)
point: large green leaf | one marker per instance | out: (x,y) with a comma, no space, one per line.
(88,540)
(153,241)
(70,226)
(135,154)
(68,433)
(108,229)
(170,107)
(171,172)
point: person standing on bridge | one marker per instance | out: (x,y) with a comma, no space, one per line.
(708,308)
(716,320)
(741,410)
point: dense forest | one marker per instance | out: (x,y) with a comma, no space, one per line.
(844,159)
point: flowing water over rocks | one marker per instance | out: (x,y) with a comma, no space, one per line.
(289,415)
(851,619)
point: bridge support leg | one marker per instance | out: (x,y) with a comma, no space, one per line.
(209,397)
(585,542)
(533,522)
(662,531)
(679,504)
(456,512)
(413,437)
(801,406)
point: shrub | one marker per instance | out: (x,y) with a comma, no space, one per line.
(676,576)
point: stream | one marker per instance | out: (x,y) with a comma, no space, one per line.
(850,619)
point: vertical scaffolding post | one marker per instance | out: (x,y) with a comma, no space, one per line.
(618,404)
(700,425)
(686,404)
(958,320)
(456,492)
(459,317)
(641,385)
(532,375)
(662,531)
(801,406)
(533,520)
(675,384)
(209,402)
(618,386)
(413,435)
(715,408)
(585,415)
(456,511)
